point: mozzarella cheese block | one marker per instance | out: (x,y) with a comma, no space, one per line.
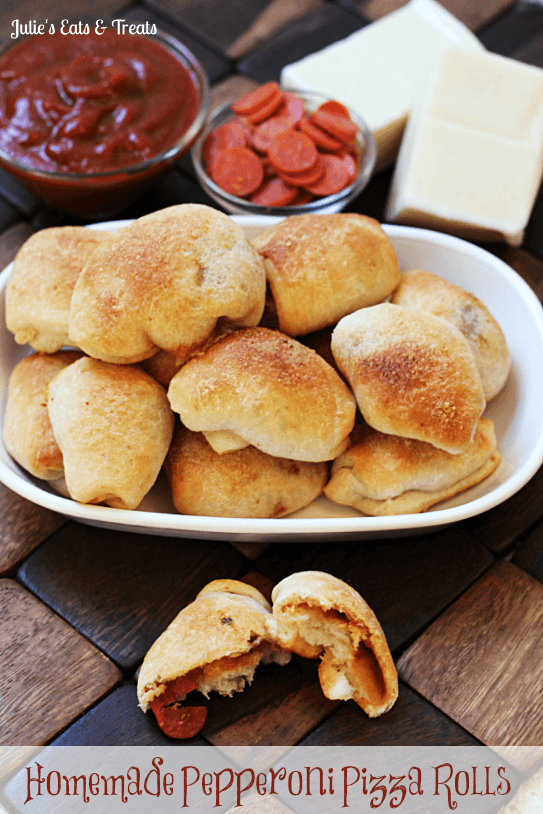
(472,155)
(379,70)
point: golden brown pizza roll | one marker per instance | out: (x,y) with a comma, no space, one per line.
(167,281)
(246,483)
(214,644)
(322,267)
(387,475)
(269,390)
(113,425)
(40,287)
(317,615)
(421,289)
(28,434)
(413,374)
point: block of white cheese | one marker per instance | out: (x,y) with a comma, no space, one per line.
(379,70)
(471,159)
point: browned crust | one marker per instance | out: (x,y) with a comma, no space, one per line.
(40,287)
(385,475)
(245,483)
(421,289)
(322,267)
(224,621)
(28,434)
(270,390)
(413,374)
(164,282)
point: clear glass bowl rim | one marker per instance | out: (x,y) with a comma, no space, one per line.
(199,77)
(248,207)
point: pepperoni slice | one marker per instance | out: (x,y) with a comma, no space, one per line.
(255,99)
(335,178)
(174,720)
(294,107)
(303,197)
(350,164)
(237,170)
(229,134)
(267,110)
(292,152)
(331,106)
(336,126)
(303,179)
(274,192)
(321,139)
(181,722)
(266,132)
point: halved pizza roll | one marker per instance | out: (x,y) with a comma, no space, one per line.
(317,615)
(386,475)
(214,644)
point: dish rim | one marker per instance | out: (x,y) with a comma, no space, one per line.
(285,529)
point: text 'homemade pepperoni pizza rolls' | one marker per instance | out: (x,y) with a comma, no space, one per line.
(214,644)
(317,615)
(40,287)
(387,475)
(268,390)
(28,434)
(243,483)
(322,267)
(113,425)
(421,289)
(167,281)
(413,374)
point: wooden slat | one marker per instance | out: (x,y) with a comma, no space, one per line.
(500,528)
(529,554)
(122,590)
(321,27)
(23,527)
(481,661)
(412,721)
(238,29)
(50,674)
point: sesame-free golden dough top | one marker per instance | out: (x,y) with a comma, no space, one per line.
(224,621)
(269,389)
(421,289)
(243,483)
(40,287)
(413,374)
(382,466)
(114,426)
(322,267)
(163,282)
(28,434)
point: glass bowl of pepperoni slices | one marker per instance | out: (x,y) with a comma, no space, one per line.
(283,152)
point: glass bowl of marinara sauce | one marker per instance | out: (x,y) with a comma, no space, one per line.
(90,122)
(279,151)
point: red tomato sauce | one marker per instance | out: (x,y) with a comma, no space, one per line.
(92,103)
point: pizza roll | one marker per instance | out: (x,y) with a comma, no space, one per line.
(167,281)
(113,425)
(322,267)
(413,374)
(387,475)
(269,390)
(317,615)
(40,287)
